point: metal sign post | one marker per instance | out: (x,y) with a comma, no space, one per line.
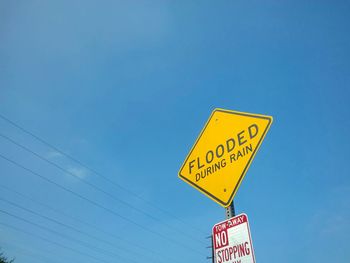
(230,211)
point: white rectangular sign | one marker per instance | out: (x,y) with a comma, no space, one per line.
(232,242)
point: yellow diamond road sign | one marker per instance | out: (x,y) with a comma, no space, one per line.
(222,153)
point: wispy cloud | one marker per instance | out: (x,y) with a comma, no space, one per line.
(53,155)
(60,159)
(79,172)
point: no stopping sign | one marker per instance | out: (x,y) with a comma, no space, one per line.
(232,241)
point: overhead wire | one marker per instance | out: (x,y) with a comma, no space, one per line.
(55,148)
(95,227)
(69,238)
(53,242)
(168,239)
(69,227)
(97,188)
(31,254)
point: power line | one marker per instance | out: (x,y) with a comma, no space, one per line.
(68,226)
(110,234)
(69,238)
(96,187)
(99,205)
(27,252)
(99,174)
(53,242)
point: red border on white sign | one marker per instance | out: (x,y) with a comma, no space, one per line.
(221,241)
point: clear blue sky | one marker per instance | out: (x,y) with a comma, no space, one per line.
(126,86)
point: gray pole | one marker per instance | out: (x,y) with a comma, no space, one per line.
(212,249)
(230,211)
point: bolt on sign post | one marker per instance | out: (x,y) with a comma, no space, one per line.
(222,153)
(232,242)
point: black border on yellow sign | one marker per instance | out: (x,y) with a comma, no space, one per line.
(222,203)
